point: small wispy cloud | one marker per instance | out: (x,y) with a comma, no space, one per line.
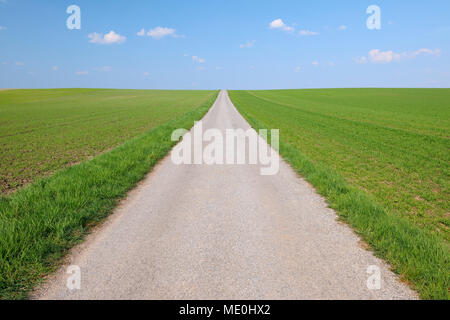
(109,38)
(433,52)
(248,44)
(297,69)
(19,63)
(159,33)
(2,28)
(55,68)
(104,69)
(307,33)
(141,33)
(279,24)
(342,27)
(360,60)
(197,59)
(378,56)
(82,73)
(315,63)
(385,57)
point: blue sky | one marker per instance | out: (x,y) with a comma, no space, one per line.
(224,44)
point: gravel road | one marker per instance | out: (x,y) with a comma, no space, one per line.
(223,232)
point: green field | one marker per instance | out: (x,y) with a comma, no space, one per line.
(41,221)
(381,157)
(42,131)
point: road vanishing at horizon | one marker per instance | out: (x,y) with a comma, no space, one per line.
(223,232)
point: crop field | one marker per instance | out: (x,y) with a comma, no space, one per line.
(42,131)
(383,149)
(51,129)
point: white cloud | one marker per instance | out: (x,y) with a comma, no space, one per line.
(307,33)
(248,44)
(108,38)
(55,68)
(279,24)
(331,64)
(378,56)
(435,52)
(384,57)
(315,63)
(342,27)
(105,68)
(218,68)
(81,73)
(19,63)
(198,59)
(141,33)
(2,28)
(146,74)
(297,69)
(159,33)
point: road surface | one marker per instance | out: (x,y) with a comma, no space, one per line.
(223,232)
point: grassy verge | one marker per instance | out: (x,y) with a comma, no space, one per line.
(40,222)
(420,256)
(45,130)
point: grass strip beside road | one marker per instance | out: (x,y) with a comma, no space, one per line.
(419,256)
(41,222)
(45,130)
